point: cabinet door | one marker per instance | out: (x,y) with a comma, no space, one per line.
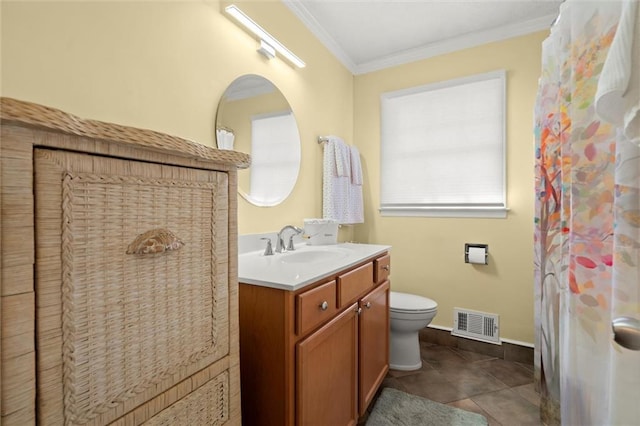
(374,343)
(115,327)
(326,373)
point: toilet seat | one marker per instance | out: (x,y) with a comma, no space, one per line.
(407,303)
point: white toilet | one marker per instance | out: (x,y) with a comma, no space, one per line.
(409,314)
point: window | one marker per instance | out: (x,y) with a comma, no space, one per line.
(443,149)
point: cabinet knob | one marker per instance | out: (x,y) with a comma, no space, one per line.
(324,305)
(367,305)
(386,267)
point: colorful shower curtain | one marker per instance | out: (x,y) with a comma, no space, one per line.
(587,214)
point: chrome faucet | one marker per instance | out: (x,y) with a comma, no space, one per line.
(280,242)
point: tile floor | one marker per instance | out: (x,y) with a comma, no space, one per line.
(502,391)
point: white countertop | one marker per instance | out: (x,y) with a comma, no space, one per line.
(306,265)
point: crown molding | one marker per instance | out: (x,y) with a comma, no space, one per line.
(453,44)
(465,41)
(298,8)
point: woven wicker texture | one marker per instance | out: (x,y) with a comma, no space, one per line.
(207,405)
(131,320)
(50,118)
(121,342)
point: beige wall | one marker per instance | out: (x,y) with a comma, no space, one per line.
(428,253)
(165,65)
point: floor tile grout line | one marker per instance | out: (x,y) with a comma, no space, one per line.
(514,393)
(482,411)
(441,361)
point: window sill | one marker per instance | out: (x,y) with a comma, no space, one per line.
(462,212)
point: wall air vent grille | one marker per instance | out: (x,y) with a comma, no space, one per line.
(476,325)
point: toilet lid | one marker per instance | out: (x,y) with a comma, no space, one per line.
(403,302)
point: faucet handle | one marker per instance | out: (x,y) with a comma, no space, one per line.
(297,231)
(268,251)
(290,246)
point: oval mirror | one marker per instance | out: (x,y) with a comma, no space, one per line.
(254,117)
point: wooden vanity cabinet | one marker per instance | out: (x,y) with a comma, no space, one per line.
(315,356)
(102,321)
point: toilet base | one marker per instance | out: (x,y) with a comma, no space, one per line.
(405,367)
(404,351)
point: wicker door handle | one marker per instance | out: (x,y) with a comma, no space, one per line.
(155,241)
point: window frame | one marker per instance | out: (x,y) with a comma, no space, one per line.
(478,210)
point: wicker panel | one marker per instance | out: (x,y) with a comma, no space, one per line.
(129,321)
(206,406)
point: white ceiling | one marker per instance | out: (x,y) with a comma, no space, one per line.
(368,35)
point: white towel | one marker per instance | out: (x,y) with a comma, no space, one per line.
(341,199)
(356,205)
(618,93)
(335,189)
(224,139)
(356,167)
(343,156)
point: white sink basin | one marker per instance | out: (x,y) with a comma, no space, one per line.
(306,265)
(314,255)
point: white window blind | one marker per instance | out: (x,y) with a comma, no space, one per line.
(274,151)
(443,149)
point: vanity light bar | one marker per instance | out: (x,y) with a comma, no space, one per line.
(257,30)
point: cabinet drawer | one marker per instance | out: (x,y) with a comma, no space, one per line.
(315,306)
(382,268)
(207,405)
(354,283)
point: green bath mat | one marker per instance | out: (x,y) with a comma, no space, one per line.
(397,408)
